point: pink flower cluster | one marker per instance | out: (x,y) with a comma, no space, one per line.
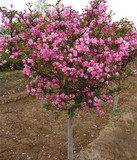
(75,56)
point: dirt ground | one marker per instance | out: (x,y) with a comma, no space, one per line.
(29,132)
(118,139)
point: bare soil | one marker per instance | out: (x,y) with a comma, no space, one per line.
(30,132)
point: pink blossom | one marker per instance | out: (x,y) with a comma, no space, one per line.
(94,40)
(106,48)
(101,41)
(100,21)
(75,53)
(11,5)
(30,42)
(4,61)
(95,126)
(106,82)
(117,74)
(26,16)
(107,69)
(60,5)
(102,79)
(90,101)
(93,73)
(7,51)
(61,58)
(90,69)
(119,40)
(12,56)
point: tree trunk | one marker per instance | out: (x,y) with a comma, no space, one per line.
(116,98)
(70,140)
(42,101)
(115,101)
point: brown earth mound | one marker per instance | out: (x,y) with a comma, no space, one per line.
(116,141)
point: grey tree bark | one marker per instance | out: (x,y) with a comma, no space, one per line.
(70,140)
(116,101)
(116,98)
(42,101)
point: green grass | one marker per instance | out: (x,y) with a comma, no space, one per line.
(114,113)
(20,84)
(132,126)
(16,75)
(3,78)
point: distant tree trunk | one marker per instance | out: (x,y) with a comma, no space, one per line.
(42,101)
(70,140)
(115,101)
(116,98)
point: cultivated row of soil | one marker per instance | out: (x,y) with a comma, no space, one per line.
(30,132)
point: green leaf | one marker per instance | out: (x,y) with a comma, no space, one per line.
(134,84)
(57,115)
(46,106)
(63,81)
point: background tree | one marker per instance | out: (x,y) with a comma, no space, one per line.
(2,29)
(42,6)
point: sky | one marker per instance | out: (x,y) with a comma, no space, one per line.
(122,8)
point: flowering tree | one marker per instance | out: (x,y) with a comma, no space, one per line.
(74,59)
(124,29)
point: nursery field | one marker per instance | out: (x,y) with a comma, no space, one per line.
(29,132)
